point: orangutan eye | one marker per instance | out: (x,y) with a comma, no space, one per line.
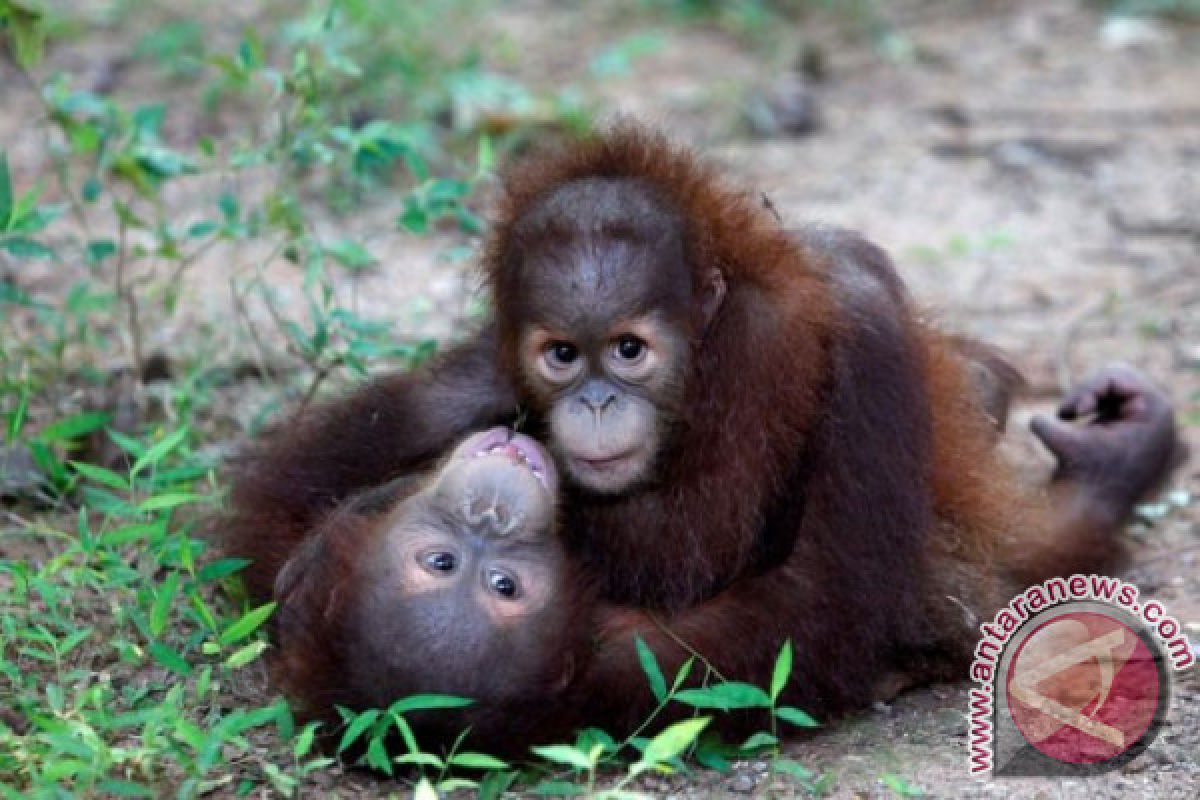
(562,354)
(501,583)
(441,562)
(630,347)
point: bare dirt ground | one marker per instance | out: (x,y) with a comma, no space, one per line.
(1035,172)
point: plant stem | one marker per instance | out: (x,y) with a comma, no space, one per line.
(127,294)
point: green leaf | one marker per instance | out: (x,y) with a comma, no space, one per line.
(783,671)
(221,568)
(202,229)
(672,741)
(350,254)
(105,477)
(714,759)
(99,250)
(425,702)
(74,426)
(131,533)
(685,669)
(25,206)
(558,788)
(207,618)
(451,785)
(74,640)
(357,727)
(50,466)
(60,769)
(160,449)
(725,696)
(24,247)
(245,655)
(6,193)
(564,754)
(147,120)
(796,717)
(16,420)
(160,502)
(588,738)
(229,207)
(119,788)
(28,220)
(248,624)
(419,759)
(377,757)
(91,189)
(170,659)
(901,786)
(127,443)
(495,784)
(414,219)
(616,59)
(304,741)
(160,162)
(425,790)
(658,684)
(406,732)
(203,682)
(27,30)
(241,720)
(161,610)
(486,157)
(469,222)
(712,752)
(793,768)
(759,741)
(477,761)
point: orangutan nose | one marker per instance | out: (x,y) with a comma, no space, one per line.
(597,396)
(491,516)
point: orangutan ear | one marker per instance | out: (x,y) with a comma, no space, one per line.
(309,587)
(300,569)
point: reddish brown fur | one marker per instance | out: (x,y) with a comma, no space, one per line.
(832,480)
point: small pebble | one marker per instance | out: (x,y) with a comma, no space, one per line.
(788,107)
(742,784)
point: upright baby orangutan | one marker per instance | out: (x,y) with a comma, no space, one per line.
(761,440)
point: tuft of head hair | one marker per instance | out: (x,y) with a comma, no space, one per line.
(719,219)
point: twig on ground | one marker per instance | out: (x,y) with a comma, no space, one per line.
(1070,117)
(128,295)
(1178,226)
(261,356)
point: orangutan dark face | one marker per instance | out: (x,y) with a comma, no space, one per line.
(459,594)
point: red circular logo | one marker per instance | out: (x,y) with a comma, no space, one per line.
(1083,687)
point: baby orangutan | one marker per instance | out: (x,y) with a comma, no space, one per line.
(453,582)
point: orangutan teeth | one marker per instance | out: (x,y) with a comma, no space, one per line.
(518,456)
